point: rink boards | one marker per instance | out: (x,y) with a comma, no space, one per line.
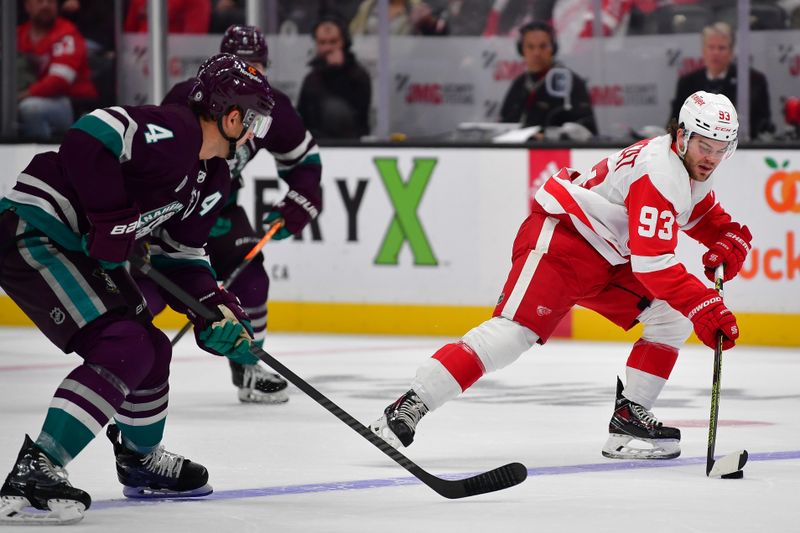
(417,240)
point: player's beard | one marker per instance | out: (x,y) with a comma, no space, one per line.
(701,169)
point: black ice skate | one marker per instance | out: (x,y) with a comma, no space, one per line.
(399,421)
(256,385)
(632,422)
(158,474)
(36,482)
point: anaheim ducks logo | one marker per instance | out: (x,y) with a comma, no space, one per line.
(781,188)
(101,274)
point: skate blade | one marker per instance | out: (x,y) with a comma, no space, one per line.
(17,510)
(381,428)
(269,398)
(145,493)
(619,447)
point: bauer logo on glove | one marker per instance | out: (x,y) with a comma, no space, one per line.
(296,210)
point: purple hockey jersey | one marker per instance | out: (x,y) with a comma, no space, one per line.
(120,157)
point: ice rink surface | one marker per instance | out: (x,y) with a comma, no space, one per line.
(295,467)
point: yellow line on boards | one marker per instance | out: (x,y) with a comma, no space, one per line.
(764,329)
(321,317)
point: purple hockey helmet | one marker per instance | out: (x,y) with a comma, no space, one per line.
(225,82)
(246,42)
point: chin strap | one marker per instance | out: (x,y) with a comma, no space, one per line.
(231,140)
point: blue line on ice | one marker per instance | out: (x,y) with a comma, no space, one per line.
(394,482)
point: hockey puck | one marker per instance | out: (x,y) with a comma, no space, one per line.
(739,474)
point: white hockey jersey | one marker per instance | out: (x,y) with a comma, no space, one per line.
(630,207)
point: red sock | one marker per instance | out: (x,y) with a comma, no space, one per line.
(653,358)
(462,363)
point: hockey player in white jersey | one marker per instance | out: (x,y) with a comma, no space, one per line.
(606,241)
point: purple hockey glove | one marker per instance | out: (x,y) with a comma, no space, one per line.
(231,335)
(112,234)
(296,210)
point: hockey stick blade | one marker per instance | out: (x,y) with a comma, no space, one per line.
(728,464)
(497,479)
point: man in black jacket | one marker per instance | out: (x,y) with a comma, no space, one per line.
(335,95)
(718,75)
(547,94)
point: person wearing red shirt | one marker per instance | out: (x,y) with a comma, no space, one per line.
(606,240)
(56,53)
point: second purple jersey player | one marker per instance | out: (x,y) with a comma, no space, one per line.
(298,162)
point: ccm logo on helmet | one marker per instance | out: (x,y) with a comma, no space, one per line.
(698,99)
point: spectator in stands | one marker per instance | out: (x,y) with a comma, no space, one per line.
(184,16)
(365,21)
(546,94)
(335,96)
(54,54)
(718,75)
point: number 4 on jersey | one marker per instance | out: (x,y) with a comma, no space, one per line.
(156,133)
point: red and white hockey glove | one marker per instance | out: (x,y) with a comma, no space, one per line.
(710,316)
(731,249)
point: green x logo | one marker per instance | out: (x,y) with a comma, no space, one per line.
(405,225)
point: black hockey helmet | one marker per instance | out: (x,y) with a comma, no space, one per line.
(225,82)
(246,42)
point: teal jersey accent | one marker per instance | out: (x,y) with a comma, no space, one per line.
(310,159)
(101,131)
(46,223)
(54,263)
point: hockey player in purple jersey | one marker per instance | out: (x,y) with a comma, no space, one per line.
(66,229)
(297,158)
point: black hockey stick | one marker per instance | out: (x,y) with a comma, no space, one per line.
(493,480)
(732,464)
(238,270)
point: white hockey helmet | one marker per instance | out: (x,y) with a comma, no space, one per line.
(710,115)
